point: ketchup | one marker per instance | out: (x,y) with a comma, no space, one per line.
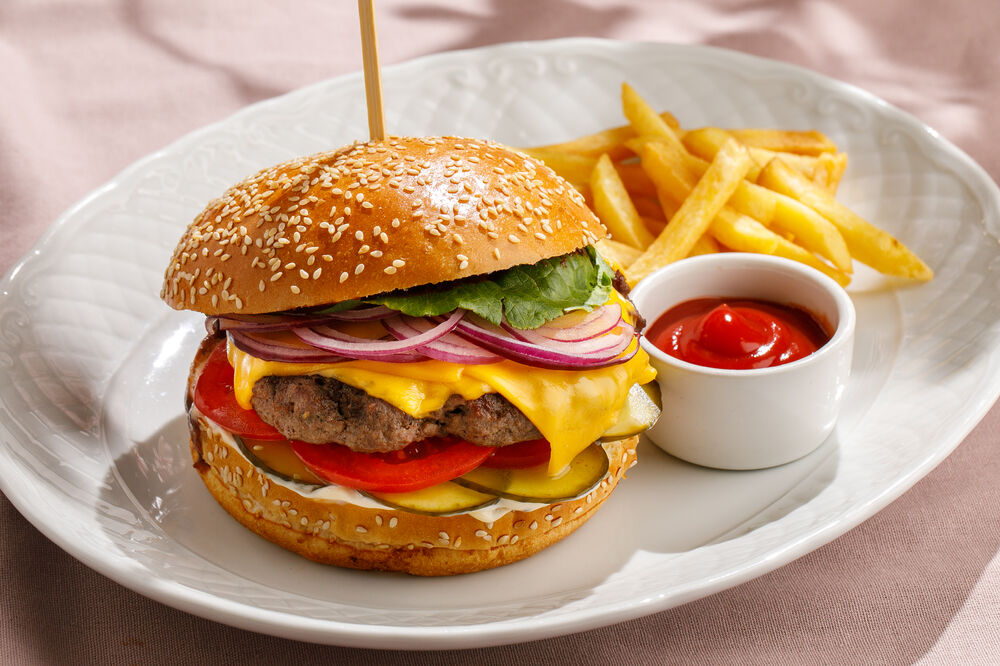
(736,333)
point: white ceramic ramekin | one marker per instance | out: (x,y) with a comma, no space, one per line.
(748,419)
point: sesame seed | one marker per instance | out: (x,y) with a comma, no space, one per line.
(343,276)
(389,270)
(317,273)
(295,289)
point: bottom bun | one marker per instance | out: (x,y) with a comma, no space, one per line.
(385,539)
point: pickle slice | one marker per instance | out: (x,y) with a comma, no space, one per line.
(533,484)
(639,413)
(277,458)
(444,499)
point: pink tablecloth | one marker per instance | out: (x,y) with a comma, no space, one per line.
(89,87)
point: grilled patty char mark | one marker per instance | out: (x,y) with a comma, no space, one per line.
(318,409)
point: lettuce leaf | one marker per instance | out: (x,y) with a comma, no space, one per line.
(527,296)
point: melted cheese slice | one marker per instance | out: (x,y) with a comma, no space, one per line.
(571,408)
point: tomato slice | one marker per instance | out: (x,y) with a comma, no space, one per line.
(420,465)
(520,455)
(214,397)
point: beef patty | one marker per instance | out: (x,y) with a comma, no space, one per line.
(317,409)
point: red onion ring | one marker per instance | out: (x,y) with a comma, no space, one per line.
(554,355)
(373,313)
(268,323)
(587,346)
(448,347)
(332,340)
(284,322)
(597,322)
(270,350)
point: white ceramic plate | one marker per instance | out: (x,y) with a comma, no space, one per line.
(94,443)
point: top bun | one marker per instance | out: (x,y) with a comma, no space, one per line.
(370,218)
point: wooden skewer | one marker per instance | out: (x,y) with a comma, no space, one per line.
(373,76)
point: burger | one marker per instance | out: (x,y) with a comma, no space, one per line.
(416,360)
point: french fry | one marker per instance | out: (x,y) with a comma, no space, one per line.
(813,231)
(705,141)
(866,242)
(800,142)
(608,141)
(643,119)
(594,145)
(689,167)
(649,207)
(614,207)
(810,229)
(654,225)
(695,215)
(704,245)
(742,233)
(574,168)
(789,250)
(636,181)
(618,253)
(669,205)
(830,169)
(668,169)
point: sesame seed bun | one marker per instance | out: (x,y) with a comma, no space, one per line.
(384,539)
(370,218)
